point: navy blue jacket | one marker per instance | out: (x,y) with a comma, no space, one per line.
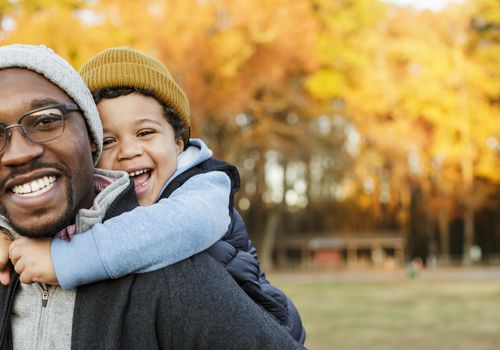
(237,254)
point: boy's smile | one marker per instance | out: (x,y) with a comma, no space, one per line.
(139,140)
(141,180)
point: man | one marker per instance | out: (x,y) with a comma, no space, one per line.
(50,139)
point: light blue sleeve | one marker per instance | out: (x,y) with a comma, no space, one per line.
(145,239)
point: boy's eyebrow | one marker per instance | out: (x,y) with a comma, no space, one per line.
(139,122)
(147,120)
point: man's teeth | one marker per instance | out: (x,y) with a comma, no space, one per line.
(138,172)
(35,187)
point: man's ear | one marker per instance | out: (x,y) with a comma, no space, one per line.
(93,147)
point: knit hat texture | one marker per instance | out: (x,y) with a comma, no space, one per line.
(129,68)
(44,61)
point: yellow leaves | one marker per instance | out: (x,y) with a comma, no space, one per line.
(39,28)
(231,51)
(326,84)
(487,167)
(407,79)
(488,10)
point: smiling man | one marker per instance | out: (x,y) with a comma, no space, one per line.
(50,139)
(46,155)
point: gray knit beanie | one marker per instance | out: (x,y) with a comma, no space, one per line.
(46,62)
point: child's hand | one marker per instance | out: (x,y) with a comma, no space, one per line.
(32,261)
(5,269)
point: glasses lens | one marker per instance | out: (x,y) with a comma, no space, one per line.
(3,136)
(42,126)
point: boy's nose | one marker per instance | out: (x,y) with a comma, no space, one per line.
(130,150)
(19,149)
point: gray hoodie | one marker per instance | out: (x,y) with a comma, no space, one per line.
(42,315)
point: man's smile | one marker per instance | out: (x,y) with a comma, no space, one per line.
(35,187)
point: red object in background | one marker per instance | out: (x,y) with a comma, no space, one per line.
(327,257)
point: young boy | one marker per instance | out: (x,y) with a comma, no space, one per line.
(186,196)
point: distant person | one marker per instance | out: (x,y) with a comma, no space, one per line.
(50,139)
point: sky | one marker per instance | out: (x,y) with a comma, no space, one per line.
(433,5)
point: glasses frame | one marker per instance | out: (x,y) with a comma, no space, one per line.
(64,108)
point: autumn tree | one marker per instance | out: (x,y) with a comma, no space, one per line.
(342,116)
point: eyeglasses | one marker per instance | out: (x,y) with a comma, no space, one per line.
(40,125)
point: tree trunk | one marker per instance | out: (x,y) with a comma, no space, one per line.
(468,234)
(405,219)
(268,243)
(444,233)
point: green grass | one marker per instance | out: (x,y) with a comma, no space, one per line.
(406,314)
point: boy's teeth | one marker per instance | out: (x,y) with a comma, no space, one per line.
(138,172)
(35,187)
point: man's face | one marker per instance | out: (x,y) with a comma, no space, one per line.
(42,185)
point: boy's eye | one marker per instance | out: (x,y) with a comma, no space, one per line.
(145,132)
(108,141)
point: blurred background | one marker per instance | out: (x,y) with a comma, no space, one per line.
(367,136)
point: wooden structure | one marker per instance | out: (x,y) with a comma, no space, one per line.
(374,249)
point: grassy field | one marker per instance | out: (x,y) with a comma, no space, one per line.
(400,313)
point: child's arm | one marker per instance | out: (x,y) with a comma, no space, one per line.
(31,260)
(194,217)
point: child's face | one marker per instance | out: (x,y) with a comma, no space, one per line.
(139,140)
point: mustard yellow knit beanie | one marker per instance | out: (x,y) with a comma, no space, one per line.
(126,67)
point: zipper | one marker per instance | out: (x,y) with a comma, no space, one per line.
(38,339)
(45,294)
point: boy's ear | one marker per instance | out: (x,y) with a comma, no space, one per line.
(179,145)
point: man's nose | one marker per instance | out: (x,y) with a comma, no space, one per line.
(19,149)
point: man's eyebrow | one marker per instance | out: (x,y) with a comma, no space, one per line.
(43,103)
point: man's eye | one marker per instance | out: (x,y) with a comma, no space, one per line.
(147,132)
(46,121)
